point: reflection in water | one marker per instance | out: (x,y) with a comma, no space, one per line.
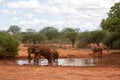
(67,62)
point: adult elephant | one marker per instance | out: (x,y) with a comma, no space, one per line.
(45,51)
(50,54)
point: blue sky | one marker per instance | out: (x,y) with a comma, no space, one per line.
(37,14)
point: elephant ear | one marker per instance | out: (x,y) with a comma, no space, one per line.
(30,49)
(37,49)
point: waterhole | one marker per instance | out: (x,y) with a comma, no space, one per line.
(75,62)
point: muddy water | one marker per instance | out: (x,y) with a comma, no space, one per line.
(63,62)
(75,62)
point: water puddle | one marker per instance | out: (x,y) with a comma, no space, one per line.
(66,62)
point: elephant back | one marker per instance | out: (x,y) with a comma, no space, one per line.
(45,51)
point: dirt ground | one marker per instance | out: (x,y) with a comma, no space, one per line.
(35,72)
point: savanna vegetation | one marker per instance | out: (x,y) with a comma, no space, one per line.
(8,45)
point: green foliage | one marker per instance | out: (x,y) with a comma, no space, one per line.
(14,29)
(8,45)
(84,38)
(112,22)
(71,34)
(116,44)
(91,37)
(50,32)
(112,39)
(98,35)
(34,38)
(67,30)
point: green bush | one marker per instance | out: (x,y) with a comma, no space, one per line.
(87,37)
(8,45)
(116,44)
(112,40)
(83,39)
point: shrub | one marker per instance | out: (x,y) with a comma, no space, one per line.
(83,39)
(91,37)
(112,40)
(116,44)
(8,45)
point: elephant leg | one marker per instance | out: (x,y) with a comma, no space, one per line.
(94,54)
(100,54)
(54,60)
(50,61)
(29,58)
(37,57)
(57,60)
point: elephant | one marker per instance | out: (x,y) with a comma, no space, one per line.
(30,50)
(55,56)
(45,51)
(96,48)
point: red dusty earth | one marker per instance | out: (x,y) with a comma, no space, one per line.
(10,71)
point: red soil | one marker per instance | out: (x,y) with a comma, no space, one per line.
(34,72)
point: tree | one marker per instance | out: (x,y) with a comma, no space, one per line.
(50,32)
(71,34)
(112,22)
(34,38)
(112,40)
(14,29)
(98,36)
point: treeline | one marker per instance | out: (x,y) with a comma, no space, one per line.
(11,39)
(71,36)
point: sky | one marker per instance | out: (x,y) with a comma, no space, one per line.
(85,15)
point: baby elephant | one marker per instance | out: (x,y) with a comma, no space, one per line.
(55,56)
(30,50)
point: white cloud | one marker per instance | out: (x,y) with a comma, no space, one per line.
(6,11)
(105,3)
(34,22)
(1,1)
(30,16)
(14,19)
(24,4)
(67,7)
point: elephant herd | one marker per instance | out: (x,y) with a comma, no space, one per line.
(38,50)
(52,55)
